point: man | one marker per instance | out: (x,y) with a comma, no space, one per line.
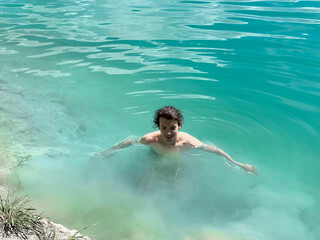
(168,140)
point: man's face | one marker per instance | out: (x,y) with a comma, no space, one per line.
(169,130)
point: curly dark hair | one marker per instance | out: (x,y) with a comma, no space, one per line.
(167,112)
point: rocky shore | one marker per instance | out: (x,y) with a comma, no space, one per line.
(61,232)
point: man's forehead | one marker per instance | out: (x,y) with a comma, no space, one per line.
(165,121)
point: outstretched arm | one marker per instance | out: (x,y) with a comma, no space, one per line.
(195,143)
(211,148)
(110,151)
(145,140)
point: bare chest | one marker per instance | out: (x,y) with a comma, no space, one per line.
(163,149)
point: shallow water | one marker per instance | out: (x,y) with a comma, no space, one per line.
(80,76)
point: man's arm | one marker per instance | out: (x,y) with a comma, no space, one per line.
(195,143)
(211,148)
(146,140)
(108,152)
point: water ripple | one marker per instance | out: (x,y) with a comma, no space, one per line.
(98,31)
(185,96)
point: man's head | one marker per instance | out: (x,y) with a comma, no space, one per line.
(169,113)
(169,120)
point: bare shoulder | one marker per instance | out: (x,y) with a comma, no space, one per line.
(150,138)
(190,140)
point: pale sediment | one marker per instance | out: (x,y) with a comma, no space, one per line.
(61,232)
(17,141)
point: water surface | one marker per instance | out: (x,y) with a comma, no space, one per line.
(80,76)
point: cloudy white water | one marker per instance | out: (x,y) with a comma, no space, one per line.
(80,76)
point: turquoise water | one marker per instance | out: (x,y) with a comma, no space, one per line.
(80,76)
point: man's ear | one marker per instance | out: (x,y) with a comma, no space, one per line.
(180,126)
